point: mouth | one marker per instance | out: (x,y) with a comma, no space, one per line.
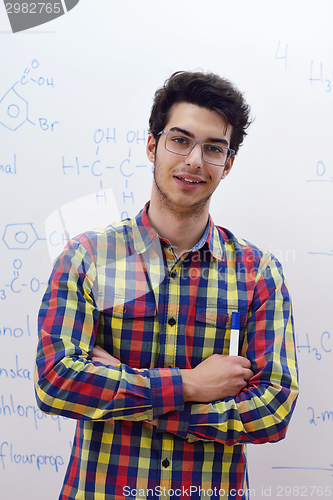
(189,180)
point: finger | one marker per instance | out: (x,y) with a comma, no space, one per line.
(105,359)
(148,424)
(246,363)
(248,374)
(106,362)
(99,352)
(98,349)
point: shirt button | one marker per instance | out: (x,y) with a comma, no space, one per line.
(174,275)
(172,321)
(166,463)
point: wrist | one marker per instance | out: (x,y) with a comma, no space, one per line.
(188,389)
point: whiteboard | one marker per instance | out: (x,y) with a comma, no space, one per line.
(75,97)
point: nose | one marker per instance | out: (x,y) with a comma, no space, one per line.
(194,158)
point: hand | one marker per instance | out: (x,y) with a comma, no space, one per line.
(151,423)
(216,378)
(102,356)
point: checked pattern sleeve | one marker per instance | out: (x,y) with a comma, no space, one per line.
(68,382)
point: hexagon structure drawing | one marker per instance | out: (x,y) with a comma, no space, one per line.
(13,110)
(20,236)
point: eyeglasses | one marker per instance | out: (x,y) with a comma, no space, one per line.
(182,145)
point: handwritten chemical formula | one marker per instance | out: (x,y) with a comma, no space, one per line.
(14,107)
(318,417)
(128,167)
(20,236)
(318,349)
(17,284)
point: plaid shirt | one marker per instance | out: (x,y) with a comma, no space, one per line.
(123,289)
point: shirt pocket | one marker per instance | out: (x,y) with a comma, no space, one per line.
(212,330)
(128,331)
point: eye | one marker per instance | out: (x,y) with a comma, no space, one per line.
(179,139)
(214,149)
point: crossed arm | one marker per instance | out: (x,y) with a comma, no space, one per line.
(215,378)
(220,404)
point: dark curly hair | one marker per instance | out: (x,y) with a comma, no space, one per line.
(203,89)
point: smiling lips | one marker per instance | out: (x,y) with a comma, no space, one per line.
(190,179)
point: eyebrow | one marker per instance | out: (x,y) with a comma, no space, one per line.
(210,139)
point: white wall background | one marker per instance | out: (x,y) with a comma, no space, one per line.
(81,89)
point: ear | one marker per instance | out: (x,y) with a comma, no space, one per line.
(151,148)
(228,167)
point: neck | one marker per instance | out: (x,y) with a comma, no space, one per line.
(182,228)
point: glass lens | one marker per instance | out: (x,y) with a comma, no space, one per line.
(182,145)
(179,144)
(212,153)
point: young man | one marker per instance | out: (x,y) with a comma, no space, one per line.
(135,325)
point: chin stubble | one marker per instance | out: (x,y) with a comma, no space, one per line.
(191,211)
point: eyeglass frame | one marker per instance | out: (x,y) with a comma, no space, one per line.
(230,152)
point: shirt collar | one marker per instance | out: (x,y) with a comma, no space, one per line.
(144,235)
(143,232)
(216,240)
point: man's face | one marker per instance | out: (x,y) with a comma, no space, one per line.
(186,183)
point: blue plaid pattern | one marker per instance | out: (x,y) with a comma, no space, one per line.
(123,288)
